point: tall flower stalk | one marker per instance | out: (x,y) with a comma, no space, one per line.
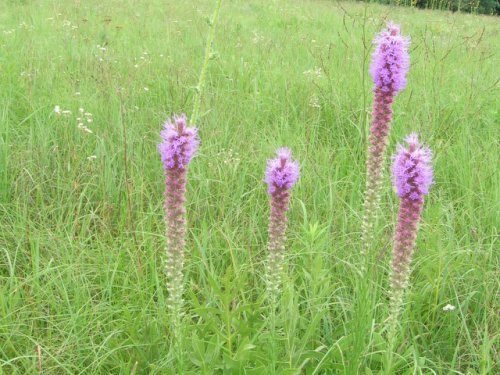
(412,177)
(389,66)
(179,145)
(208,54)
(281,174)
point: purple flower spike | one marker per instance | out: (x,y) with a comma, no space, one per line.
(179,143)
(390,61)
(281,174)
(412,177)
(178,147)
(412,172)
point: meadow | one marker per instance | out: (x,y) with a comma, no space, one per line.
(82,235)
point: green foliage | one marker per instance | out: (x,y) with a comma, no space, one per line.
(491,7)
(82,289)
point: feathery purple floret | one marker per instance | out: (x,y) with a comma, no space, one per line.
(412,170)
(282,173)
(179,143)
(390,60)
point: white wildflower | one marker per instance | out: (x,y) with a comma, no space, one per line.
(313,72)
(449,307)
(314,102)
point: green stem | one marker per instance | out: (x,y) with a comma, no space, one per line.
(274,298)
(392,326)
(389,355)
(208,50)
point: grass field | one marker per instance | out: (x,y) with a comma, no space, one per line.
(82,288)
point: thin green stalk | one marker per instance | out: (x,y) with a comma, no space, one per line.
(203,72)
(389,355)
(274,298)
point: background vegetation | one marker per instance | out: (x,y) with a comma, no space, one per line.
(81,221)
(490,7)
